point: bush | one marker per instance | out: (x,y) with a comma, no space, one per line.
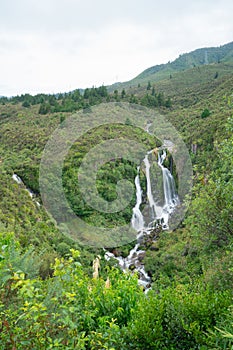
(68,311)
(206,113)
(176,318)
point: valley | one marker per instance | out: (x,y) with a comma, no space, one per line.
(59,292)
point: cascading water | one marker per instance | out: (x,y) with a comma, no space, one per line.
(169,187)
(159,210)
(171,198)
(19,181)
(152,204)
(155,211)
(137,220)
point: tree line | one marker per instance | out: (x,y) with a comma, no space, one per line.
(81,99)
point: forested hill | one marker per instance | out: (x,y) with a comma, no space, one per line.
(56,293)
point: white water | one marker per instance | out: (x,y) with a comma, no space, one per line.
(158,215)
(150,197)
(155,210)
(19,181)
(171,198)
(137,220)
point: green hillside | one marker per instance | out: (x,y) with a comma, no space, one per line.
(218,57)
(56,293)
(199,57)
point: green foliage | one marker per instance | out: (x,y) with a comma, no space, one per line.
(155,100)
(48,298)
(218,57)
(123,93)
(204,245)
(108,175)
(44,108)
(213,206)
(222,335)
(67,311)
(26,104)
(176,318)
(71,310)
(206,113)
(148,85)
(128,122)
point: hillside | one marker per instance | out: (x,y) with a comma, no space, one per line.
(59,294)
(218,57)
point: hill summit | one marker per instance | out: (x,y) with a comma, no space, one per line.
(199,57)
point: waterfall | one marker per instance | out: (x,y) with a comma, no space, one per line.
(19,181)
(159,211)
(155,210)
(137,220)
(171,198)
(149,190)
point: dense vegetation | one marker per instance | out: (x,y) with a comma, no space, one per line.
(57,294)
(76,100)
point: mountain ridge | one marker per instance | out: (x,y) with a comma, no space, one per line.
(192,59)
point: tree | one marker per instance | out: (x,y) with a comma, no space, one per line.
(123,93)
(44,108)
(212,210)
(116,96)
(26,104)
(161,100)
(205,113)
(128,122)
(168,103)
(148,85)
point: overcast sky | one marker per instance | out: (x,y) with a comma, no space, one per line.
(60,45)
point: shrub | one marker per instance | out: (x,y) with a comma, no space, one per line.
(206,113)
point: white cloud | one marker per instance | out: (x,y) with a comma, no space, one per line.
(52,46)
